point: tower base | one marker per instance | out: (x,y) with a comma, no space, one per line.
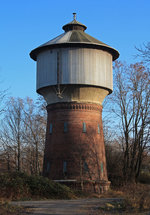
(74,150)
(87,186)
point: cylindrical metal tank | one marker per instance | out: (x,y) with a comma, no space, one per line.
(74,74)
(84,66)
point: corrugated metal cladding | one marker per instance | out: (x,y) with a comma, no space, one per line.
(76,66)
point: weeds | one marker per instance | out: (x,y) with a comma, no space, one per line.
(137,196)
(6,209)
(134,198)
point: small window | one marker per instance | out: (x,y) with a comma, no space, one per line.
(98,129)
(50,128)
(84,127)
(65,127)
(48,167)
(101,167)
(86,166)
(65,167)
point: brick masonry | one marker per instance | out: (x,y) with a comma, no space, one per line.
(74,148)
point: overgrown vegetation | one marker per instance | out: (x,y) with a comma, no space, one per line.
(7,209)
(20,186)
(144,178)
(137,197)
(131,198)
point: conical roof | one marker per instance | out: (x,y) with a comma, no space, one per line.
(74,36)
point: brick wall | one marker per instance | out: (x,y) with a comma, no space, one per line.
(74,143)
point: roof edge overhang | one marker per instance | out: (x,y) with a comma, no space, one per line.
(71,26)
(115,54)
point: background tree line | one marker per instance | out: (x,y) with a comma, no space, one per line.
(126,125)
(22,135)
(128,111)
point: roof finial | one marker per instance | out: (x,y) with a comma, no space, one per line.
(74,16)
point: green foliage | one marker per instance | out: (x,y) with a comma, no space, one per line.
(16,186)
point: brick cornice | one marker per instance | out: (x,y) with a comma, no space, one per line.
(74,106)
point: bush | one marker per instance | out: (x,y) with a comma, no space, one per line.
(16,186)
(144,178)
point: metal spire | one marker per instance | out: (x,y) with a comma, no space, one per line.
(74,16)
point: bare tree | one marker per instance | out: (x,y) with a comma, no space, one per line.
(12,128)
(7,151)
(34,135)
(144,52)
(114,158)
(22,135)
(131,99)
(2,97)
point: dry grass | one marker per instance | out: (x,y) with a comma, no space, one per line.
(137,196)
(134,199)
(7,209)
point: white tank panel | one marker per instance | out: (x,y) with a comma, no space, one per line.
(76,66)
(46,69)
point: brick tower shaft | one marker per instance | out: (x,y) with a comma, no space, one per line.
(74,150)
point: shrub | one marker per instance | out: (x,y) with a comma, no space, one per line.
(15,186)
(144,178)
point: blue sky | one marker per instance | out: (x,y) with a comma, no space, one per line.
(26,24)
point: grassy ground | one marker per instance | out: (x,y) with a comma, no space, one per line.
(19,186)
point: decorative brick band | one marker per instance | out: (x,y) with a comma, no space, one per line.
(74,106)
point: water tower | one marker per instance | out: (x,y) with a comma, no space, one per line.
(74,75)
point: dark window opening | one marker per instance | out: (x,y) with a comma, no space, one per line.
(51,128)
(84,127)
(65,127)
(86,168)
(65,168)
(98,129)
(102,167)
(48,167)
